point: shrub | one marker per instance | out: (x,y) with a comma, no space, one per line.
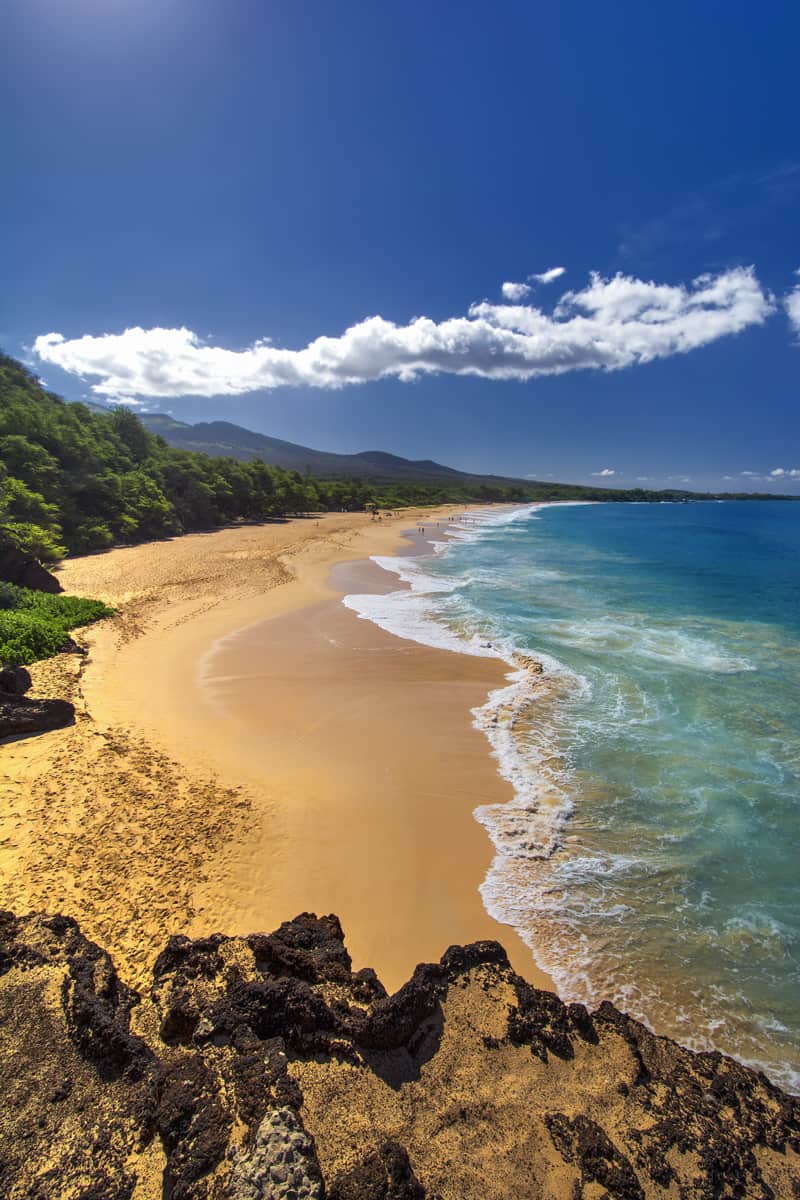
(37,624)
(92,535)
(10,595)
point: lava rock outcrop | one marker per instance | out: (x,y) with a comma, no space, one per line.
(264,1066)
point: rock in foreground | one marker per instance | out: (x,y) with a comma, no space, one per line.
(21,715)
(265,1067)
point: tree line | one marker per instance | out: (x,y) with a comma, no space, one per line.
(74,480)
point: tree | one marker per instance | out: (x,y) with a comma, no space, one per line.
(132,433)
(28,522)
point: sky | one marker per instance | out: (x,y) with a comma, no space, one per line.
(557,241)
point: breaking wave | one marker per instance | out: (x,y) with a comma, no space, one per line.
(641,760)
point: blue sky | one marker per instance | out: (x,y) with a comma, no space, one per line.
(257,170)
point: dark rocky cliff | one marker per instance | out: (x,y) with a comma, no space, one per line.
(263,1066)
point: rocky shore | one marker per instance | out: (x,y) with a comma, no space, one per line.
(263,1066)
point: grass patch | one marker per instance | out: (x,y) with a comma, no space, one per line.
(36,625)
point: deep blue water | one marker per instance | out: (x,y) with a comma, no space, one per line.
(652,854)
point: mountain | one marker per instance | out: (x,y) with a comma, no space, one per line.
(80,478)
(218,438)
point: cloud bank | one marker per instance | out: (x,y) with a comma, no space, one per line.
(774,476)
(609,325)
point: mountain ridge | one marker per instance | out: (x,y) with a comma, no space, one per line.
(223,438)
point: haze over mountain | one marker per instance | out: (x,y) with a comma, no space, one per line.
(219,438)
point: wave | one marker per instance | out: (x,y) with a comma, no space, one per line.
(584,910)
(410,616)
(518,720)
(666,645)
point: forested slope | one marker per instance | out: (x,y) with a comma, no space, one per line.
(74,479)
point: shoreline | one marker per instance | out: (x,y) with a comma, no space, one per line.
(351,693)
(146,817)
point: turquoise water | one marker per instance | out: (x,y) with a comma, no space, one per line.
(651,855)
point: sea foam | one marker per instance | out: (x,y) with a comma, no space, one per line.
(530,825)
(638,783)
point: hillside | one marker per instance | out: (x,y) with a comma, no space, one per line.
(223,438)
(75,478)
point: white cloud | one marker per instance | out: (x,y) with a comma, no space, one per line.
(792,302)
(549,276)
(515,291)
(609,325)
(605,471)
(642,478)
(778,475)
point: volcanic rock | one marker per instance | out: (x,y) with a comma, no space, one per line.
(263,1066)
(20,715)
(14,681)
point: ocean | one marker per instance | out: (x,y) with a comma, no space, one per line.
(651,853)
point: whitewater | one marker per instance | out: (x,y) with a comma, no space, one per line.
(650,731)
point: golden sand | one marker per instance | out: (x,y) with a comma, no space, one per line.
(246,748)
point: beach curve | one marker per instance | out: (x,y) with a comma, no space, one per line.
(147,817)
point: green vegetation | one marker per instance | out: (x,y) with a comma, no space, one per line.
(35,625)
(75,480)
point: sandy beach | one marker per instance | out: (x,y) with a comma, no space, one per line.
(246,748)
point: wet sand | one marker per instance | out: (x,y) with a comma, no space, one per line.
(246,748)
(366,745)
